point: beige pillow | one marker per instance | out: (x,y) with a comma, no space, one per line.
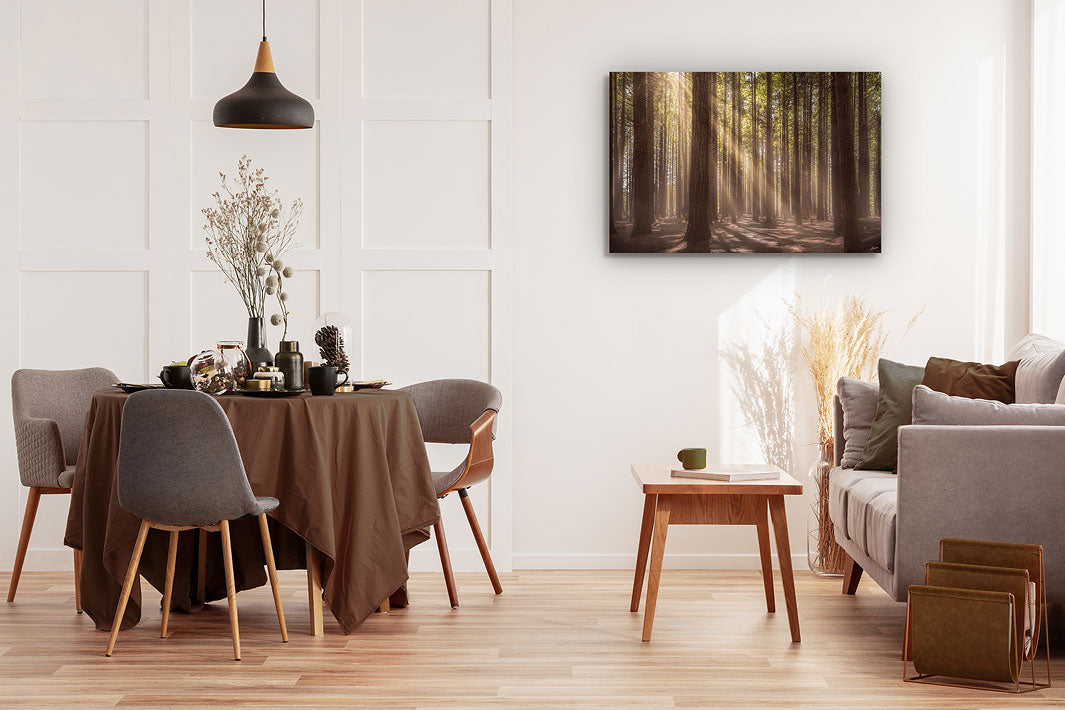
(858,400)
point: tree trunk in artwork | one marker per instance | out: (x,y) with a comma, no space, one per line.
(627,112)
(756,173)
(843,168)
(712,187)
(643,175)
(822,147)
(837,213)
(807,146)
(863,146)
(876,171)
(768,196)
(684,145)
(737,148)
(660,143)
(615,163)
(796,170)
(785,150)
(699,184)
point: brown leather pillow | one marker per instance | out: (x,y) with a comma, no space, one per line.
(971,379)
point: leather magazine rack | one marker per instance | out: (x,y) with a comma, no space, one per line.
(979,617)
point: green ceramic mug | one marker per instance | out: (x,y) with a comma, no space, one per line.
(692,458)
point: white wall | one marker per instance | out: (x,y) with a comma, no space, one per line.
(617,356)
(408,183)
(107,155)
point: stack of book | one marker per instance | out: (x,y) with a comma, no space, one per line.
(731,473)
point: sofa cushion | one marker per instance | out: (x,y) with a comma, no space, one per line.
(971,379)
(871,508)
(1041,372)
(894,408)
(841,484)
(858,400)
(931,407)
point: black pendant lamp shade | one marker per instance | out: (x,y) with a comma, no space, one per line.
(263,102)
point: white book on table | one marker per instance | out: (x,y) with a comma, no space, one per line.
(731,472)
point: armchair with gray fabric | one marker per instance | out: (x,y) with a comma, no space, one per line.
(1001,482)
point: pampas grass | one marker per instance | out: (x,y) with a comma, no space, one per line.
(764,386)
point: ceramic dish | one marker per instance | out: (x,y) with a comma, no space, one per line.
(129,388)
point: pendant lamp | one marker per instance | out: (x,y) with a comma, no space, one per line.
(263,102)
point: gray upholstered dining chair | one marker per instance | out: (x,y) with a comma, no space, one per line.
(460,412)
(49,409)
(179,469)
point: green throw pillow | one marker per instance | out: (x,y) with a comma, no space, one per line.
(894,408)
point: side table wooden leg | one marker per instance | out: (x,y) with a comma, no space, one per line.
(645,544)
(780,527)
(658,550)
(767,559)
(314,590)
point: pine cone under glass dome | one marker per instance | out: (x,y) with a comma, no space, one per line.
(332,335)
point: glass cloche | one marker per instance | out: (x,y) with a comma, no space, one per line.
(332,335)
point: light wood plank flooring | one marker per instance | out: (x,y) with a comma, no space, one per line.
(552,639)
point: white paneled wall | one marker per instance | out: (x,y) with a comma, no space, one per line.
(108,154)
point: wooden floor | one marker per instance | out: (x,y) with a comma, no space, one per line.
(551,639)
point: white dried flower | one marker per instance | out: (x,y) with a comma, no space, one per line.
(262,227)
(274,213)
(284,295)
(270,290)
(269,257)
(271,281)
(261,271)
(275,319)
(287,272)
(260,247)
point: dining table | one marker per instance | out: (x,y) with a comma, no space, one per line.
(356,494)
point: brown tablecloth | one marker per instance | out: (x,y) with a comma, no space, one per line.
(350,471)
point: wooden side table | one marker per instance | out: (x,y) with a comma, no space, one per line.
(690,501)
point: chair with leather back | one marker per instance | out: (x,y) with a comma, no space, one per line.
(460,412)
(179,469)
(49,409)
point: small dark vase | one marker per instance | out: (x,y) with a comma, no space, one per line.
(290,361)
(256,346)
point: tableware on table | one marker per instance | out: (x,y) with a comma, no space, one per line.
(270,394)
(176,377)
(369,384)
(130,388)
(323,380)
(692,459)
(234,353)
(333,336)
(273,375)
(211,372)
(256,349)
(290,360)
(253,384)
(345,389)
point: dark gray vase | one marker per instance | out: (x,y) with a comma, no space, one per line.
(289,360)
(256,346)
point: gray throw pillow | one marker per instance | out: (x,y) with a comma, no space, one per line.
(858,400)
(1041,372)
(931,407)
(894,408)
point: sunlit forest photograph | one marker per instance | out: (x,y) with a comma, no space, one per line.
(745,162)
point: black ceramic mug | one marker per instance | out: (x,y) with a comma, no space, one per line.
(177,377)
(323,379)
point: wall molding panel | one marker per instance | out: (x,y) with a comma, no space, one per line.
(405,181)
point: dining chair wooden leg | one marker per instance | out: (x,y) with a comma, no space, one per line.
(314,591)
(168,585)
(231,587)
(385,607)
(201,566)
(127,586)
(24,539)
(77,580)
(482,546)
(271,569)
(445,563)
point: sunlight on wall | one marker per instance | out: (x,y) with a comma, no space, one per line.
(759,311)
(989,284)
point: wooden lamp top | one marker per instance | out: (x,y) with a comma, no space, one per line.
(264,60)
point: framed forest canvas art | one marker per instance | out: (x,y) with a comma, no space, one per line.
(745,162)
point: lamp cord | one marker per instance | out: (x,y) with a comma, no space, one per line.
(264,20)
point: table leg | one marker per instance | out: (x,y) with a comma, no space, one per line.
(767,558)
(780,527)
(314,590)
(658,550)
(77,580)
(645,544)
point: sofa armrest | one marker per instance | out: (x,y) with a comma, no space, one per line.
(1003,483)
(40,451)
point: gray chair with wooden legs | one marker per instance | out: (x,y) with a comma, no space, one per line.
(179,469)
(460,412)
(49,408)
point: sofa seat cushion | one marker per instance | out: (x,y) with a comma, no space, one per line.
(871,510)
(841,482)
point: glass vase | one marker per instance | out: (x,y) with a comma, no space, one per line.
(823,554)
(237,358)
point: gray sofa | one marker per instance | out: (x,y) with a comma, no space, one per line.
(981,482)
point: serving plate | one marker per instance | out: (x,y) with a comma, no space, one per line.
(369,384)
(130,388)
